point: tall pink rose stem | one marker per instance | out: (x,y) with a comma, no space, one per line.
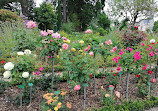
(52,71)
(84,98)
(127,84)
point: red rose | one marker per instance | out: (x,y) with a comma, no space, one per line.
(150,72)
(148,45)
(2,62)
(153,43)
(90,75)
(117,73)
(114,74)
(111,70)
(138,75)
(103,77)
(157,42)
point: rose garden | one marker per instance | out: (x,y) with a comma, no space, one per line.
(50,70)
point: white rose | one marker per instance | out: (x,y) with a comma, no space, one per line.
(6,74)
(25,75)
(9,66)
(152,41)
(20,53)
(27,52)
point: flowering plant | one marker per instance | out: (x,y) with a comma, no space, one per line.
(54,101)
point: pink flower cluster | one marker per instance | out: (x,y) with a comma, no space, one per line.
(151,53)
(130,49)
(108,42)
(40,70)
(43,33)
(56,35)
(145,67)
(31,24)
(91,53)
(137,56)
(113,50)
(87,48)
(116,59)
(121,52)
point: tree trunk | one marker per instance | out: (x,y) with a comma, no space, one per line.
(135,17)
(24,6)
(64,11)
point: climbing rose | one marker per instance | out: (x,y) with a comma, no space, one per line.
(77,87)
(65,46)
(31,24)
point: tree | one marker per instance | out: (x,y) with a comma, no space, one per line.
(59,15)
(26,5)
(103,21)
(84,10)
(134,10)
(155,28)
(45,16)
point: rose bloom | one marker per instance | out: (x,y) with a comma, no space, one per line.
(142,44)
(9,66)
(153,80)
(88,31)
(20,53)
(43,33)
(31,24)
(50,31)
(25,75)
(27,52)
(91,53)
(152,41)
(6,74)
(81,42)
(107,95)
(56,35)
(77,87)
(65,46)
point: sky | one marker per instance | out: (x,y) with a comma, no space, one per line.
(38,2)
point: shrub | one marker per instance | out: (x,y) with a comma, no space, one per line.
(104,22)
(6,15)
(68,27)
(102,31)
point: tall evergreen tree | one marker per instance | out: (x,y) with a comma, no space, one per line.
(59,15)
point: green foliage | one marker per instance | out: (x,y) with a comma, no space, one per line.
(7,38)
(25,40)
(155,28)
(103,21)
(133,105)
(124,24)
(45,16)
(102,31)
(6,15)
(68,27)
(4,85)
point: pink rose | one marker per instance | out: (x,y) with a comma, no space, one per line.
(137,56)
(108,42)
(153,80)
(156,50)
(77,87)
(117,94)
(37,73)
(112,51)
(111,86)
(147,49)
(151,47)
(56,35)
(50,31)
(64,38)
(130,49)
(88,31)
(65,46)
(118,69)
(142,44)
(43,33)
(89,47)
(31,24)
(115,48)
(121,52)
(86,49)
(151,53)
(91,53)
(41,69)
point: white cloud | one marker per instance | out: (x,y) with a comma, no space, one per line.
(38,2)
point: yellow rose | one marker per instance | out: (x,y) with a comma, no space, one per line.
(107,95)
(56,108)
(61,50)
(73,49)
(58,56)
(68,41)
(59,103)
(81,42)
(80,50)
